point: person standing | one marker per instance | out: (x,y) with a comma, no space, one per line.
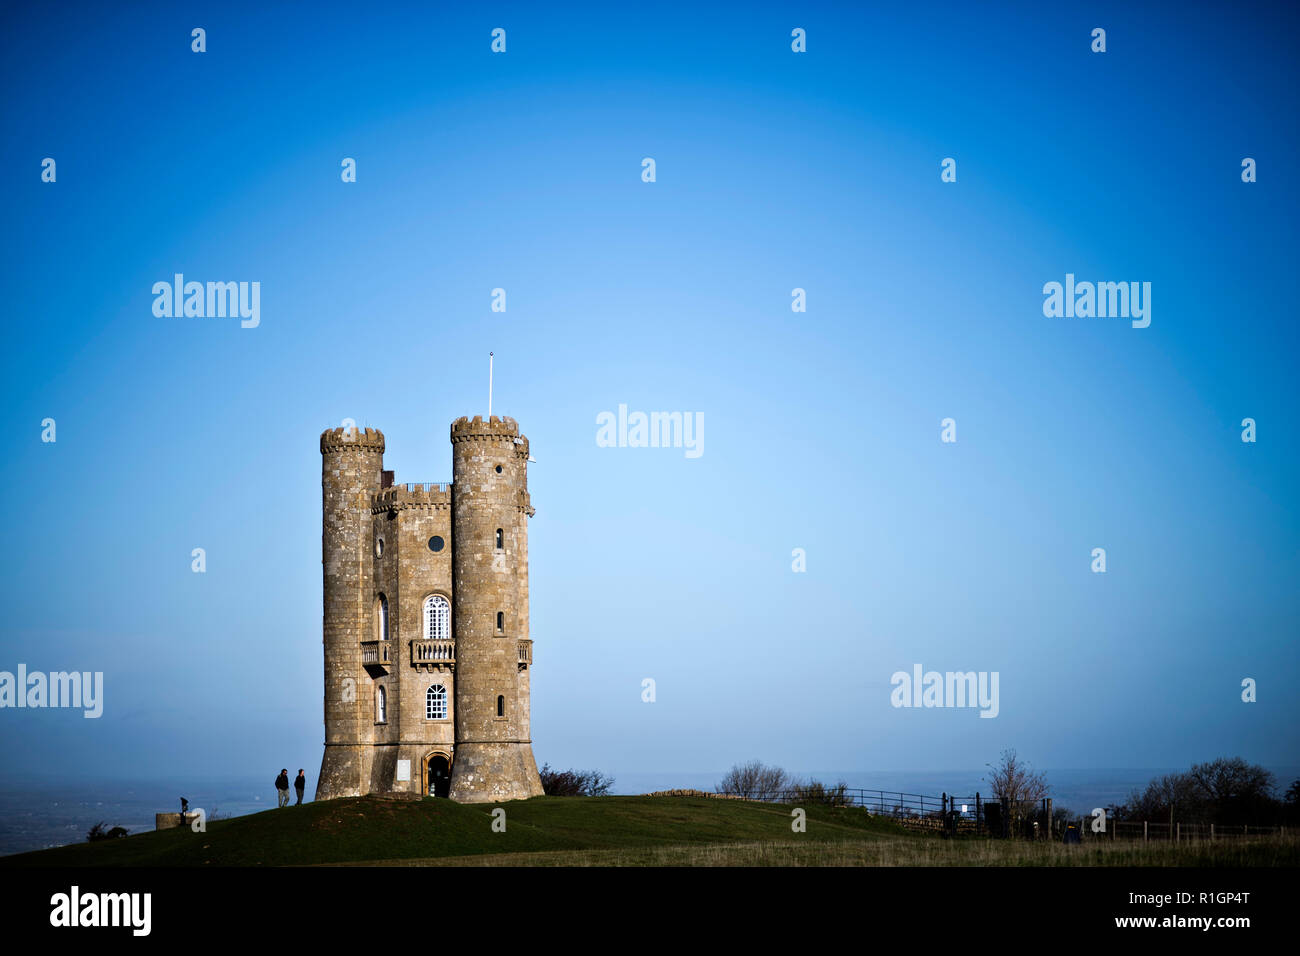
(300,784)
(282,787)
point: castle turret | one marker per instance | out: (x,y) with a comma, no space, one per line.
(351,464)
(490,511)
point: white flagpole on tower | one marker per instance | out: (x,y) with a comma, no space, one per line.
(489,385)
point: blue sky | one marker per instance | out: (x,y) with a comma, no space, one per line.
(775,170)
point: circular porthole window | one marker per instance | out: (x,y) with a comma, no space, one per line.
(436,543)
(498,469)
(379,547)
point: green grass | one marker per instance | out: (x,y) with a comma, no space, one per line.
(375,829)
(894,851)
(614,831)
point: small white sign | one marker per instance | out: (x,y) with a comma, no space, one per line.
(403,771)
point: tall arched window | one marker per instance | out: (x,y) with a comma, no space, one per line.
(435,703)
(381,618)
(501,706)
(501,621)
(501,539)
(381,705)
(437,618)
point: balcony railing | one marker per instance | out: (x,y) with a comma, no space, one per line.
(376,653)
(525,654)
(433,654)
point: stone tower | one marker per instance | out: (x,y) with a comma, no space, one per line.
(490,511)
(351,462)
(427,649)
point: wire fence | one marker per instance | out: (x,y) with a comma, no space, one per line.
(944,812)
(1179,832)
(951,814)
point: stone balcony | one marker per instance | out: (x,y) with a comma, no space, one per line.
(433,655)
(525,654)
(377,653)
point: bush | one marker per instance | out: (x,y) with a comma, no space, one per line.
(814,791)
(574,783)
(755,781)
(97,832)
(1227,791)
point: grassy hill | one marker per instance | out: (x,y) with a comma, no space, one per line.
(376,829)
(614,831)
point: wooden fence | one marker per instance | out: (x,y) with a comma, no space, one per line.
(1177,831)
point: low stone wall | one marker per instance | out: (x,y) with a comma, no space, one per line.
(694,793)
(171,821)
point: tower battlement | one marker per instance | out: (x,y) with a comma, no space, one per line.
(347,439)
(495,429)
(412,495)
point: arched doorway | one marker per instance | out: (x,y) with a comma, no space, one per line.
(437,775)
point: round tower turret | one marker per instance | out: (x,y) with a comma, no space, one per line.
(490,511)
(351,464)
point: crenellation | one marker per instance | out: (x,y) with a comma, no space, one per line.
(341,439)
(475,429)
(412,495)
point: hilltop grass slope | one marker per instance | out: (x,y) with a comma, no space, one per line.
(613,831)
(375,829)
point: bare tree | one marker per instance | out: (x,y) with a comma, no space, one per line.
(1224,791)
(1231,778)
(755,781)
(1235,791)
(1015,781)
(1162,795)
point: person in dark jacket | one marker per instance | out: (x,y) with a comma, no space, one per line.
(300,784)
(282,787)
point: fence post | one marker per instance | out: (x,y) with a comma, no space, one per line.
(1144,831)
(979,823)
(1211,832)
(1178,833)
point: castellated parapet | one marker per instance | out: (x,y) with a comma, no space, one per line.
(402,497)
(347,439)
(427,645)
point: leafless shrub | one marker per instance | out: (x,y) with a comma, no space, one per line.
(814,791)
(755,781)
(574,783)
(1016,782)
(100,832)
